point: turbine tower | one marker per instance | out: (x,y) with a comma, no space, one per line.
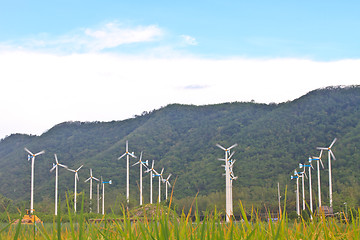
(167,183)
(103,197)
(330,153)
(145,164)
(302,175)
(296,176)
(318,159)
(56,166)
(228,188)
(160,179)
(76,178)
(90,179)
(127,154)
(32,157)
(152,171)
(310,184)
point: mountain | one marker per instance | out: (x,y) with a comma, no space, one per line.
(272,140)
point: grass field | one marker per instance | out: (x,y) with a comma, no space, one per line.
(164,223)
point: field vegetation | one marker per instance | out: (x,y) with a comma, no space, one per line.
(162,222)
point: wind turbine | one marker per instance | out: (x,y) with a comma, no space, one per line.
(56,166)
(103,197)
(302,174)
(310,184)
(160,179)
(90,179)
(127,154)
(296,176)
(141,163)
(167,183)
(229,206)
(318,159)
(32,157)
(152,171)
(76,178)
(330,153)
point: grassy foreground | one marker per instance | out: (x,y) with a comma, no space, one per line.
(164,223)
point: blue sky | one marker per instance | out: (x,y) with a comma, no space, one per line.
(319,30)
(109,60)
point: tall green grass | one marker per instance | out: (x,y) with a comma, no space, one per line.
(159,222)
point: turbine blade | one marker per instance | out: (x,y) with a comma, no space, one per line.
(162,170)
(57,162)
(232,146)
(131,154)
(231,155)
(141,156)
(61,165)
(95,179)
(28,151)
(127,146)
(320,154)
(168,177)
(169,184)
(135,164)
(332,154)
(221,159)
(79,168)
(152,166)
(145,166)
(77,176)
(36,154)
(71,170)
(91,172)
(332,142)
(52,169)
(87,179)
(218,145)
(121,156)
(321,148)
(321,163)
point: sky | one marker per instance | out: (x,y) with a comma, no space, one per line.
(111,60)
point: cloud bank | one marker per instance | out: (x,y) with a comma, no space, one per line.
(40,88)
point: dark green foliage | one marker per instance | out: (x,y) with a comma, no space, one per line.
(272,140)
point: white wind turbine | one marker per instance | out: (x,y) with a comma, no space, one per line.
(167,183)
(76,178)
(229,206)
(160,179)
(310,184)
(127,154)
(318,159)
(32,157)
(103,197)
(56,166)
(145,164)
(151,171)
(302,175)
(296,176)
(330,153)
(90,179)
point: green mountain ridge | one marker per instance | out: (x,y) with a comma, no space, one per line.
(272,140)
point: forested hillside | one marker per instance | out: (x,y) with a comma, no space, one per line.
(273,139)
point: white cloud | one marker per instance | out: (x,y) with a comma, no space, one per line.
(109,35)
(40,90)
(113,35)
(188,40)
